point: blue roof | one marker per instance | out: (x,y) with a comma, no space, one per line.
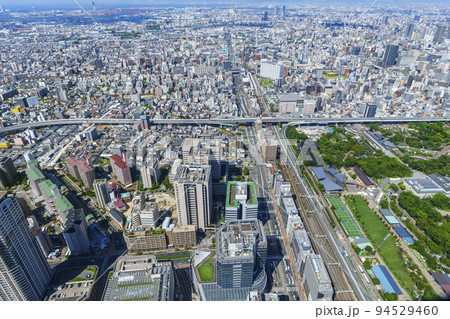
(403,234)
(330,186)
(332,171)
(340,177)
(386,279)
(318,171)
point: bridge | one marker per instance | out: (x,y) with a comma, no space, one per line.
(226,121)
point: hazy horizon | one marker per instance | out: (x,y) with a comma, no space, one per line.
(105,4)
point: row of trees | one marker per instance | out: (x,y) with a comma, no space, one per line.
(432,223)
(439,165)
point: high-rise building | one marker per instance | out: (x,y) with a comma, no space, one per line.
(7,172)
(283,11)
(145,125)
(92,134)
(242,248)
(41,235)
(271,71)
(203,152)
(440,33)
(24,272)
(150,172)
(81,168)
(370,110)
(193,195)
(121,170)
(101,192)
(241,201)
(390,55)
(75,232)
(149,214)
(409,30)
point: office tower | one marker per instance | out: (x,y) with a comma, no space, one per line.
(7,172)
(271,71)
(193,195)
(355,50)
(75,232)
(440,33)
(241,251)
(370,110)
(24,272)
(338,98)
(390,55)
(283,11)
(145,125)
(41,235)
(150,172)
(121,170)
(409,30)
(145,277)
(98,63)
(203,152)
(92,134)
(101,192)
(241,201)
(265,17)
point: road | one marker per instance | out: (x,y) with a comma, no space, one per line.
(226,121)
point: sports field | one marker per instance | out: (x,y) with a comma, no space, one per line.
(372,226)
(347,220)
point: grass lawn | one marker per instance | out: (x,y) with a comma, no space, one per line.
(173,257)
(422,261)
(391,255)
(206,270)
(59,279)
(372,226)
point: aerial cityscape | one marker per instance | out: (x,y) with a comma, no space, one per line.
(241,151)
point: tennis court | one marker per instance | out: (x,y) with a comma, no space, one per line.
(347,221)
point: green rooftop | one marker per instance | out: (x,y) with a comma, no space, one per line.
(231,194)
(47,186)
(63,203)
(34,174)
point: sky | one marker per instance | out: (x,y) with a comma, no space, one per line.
(71,4)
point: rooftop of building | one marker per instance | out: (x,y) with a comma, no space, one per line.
(193,173)
(237,238)
(63,203)
(139,278)
(241,188)
(423,185)
(34,173)
(47,186)
(186,228)
(118,161)
(75,217)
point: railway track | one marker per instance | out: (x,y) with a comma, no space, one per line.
(342,289)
